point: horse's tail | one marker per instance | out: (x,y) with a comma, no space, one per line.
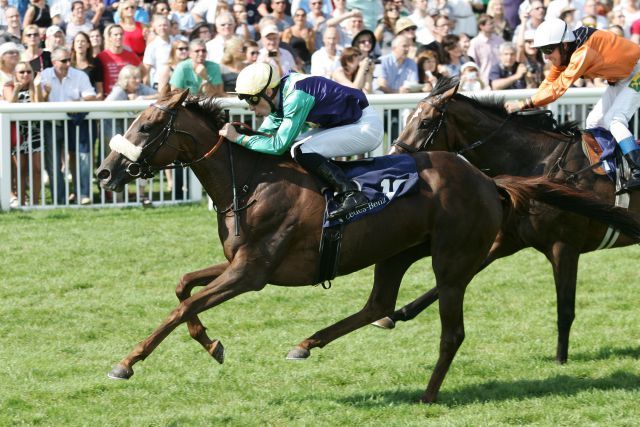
(520,191)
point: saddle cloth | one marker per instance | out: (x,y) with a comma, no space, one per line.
(381,179)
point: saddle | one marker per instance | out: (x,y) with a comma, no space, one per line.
(381,179)
(600,147)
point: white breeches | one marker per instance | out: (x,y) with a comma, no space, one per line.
(348,140)
(616,107)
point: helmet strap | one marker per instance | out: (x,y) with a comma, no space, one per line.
(263,93)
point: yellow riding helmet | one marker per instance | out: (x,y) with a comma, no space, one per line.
(256,78)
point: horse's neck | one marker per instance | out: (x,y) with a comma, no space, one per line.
(214,174)
(507,151)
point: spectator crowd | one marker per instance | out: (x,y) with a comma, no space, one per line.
(73,50)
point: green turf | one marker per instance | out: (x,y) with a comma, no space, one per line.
(79,288)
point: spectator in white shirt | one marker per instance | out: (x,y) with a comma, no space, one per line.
(63,83)
(327,59)
(157,52)
(225,29)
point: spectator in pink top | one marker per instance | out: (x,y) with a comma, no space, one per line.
(485,47)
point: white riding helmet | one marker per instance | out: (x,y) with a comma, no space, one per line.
(552,31)
(256,78)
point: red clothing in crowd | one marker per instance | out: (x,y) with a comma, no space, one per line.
(135,40)
(112,63)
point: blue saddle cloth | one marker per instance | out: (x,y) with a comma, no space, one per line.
(608,145)
(382,179)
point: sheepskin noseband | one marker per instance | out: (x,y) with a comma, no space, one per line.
(125,147)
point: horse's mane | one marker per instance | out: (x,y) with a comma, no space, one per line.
(495,104)
(207,107)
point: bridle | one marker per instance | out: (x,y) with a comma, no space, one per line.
(433,127)
(142,168)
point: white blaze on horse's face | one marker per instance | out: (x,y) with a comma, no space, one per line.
(416,115)
(122,145)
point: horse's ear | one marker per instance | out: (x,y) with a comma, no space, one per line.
(449,93)
(178,98)
(164,91)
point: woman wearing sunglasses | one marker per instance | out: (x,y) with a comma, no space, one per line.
(328,120)
(587,52)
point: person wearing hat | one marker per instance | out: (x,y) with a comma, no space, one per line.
(365,40)
(406,27)
(54,37)
(326,118)
(589,53)
(271,51)
(202,31)
(470,80)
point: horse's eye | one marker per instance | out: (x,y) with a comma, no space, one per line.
(424,123)
(145,128)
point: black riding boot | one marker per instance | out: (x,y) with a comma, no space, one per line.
(633,158)
(347,191)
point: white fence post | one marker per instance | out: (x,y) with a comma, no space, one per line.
(5,162)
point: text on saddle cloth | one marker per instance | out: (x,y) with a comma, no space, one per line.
(381,179)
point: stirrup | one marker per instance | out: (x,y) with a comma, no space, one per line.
(351,201)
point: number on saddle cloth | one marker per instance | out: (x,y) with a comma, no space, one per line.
(381,179)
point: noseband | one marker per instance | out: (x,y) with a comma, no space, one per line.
(433,128)
(142,168)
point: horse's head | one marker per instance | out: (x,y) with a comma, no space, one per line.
(154,140)
(423,126)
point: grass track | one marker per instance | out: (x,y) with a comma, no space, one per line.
(80,287)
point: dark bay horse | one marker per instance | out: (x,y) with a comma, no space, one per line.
(499,144)
(454,217)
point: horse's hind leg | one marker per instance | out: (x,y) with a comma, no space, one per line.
(231,283)
(194,325)
(387,278)
(564,260)
(502,247)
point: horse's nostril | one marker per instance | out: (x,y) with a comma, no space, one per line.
(103,174)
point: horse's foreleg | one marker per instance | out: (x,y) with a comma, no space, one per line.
(387,278)
(564,260)
(194,325)
(228,285)
(452,335)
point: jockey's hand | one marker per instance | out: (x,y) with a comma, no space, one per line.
(513,106)
(229,132)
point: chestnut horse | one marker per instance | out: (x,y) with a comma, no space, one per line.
(521,145)
(454,217)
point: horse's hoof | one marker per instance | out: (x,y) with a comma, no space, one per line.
(385,323)
(216,350)
(119,372)
(427,399)
(298,354)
